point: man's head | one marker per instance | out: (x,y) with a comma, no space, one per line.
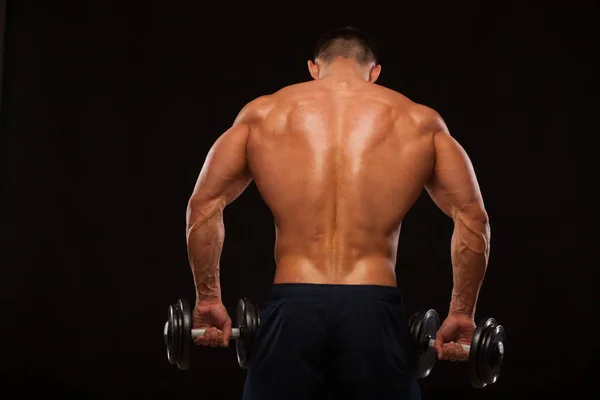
(346,44)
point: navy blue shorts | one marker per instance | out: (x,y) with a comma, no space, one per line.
(332,342)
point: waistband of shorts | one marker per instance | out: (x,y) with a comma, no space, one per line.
(291,291)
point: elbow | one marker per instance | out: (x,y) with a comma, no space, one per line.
(478,221)
(472,229)
(199,201)
(199,210)
(192,205)
(474,223)
(482,220)
(481,217)
(475,213)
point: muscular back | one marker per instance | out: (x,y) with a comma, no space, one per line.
(339,163)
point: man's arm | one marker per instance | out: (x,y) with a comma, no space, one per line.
(224,176)
(453,187)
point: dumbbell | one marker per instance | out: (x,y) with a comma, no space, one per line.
(178,333)
(486,351)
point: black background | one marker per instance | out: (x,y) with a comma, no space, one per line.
(109,109)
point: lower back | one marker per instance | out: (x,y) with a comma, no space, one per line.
(336,259)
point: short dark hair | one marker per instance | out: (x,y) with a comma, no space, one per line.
(346,42)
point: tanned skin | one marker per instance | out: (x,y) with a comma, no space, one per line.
(339,161)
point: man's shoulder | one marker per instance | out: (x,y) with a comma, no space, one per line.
(261,106)
(400,102)
(420,114)
(256,109)
(423,114)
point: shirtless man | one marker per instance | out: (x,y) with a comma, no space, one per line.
(339,161)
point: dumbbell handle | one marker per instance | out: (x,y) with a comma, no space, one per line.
(465,347)
(235,333)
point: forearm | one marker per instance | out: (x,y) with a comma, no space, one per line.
(205,236)
(470,247)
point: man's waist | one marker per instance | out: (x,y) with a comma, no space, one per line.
(374,270)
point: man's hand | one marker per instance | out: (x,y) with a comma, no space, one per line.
(215,319)
(456,330)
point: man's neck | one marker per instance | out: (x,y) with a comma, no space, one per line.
(343,69)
